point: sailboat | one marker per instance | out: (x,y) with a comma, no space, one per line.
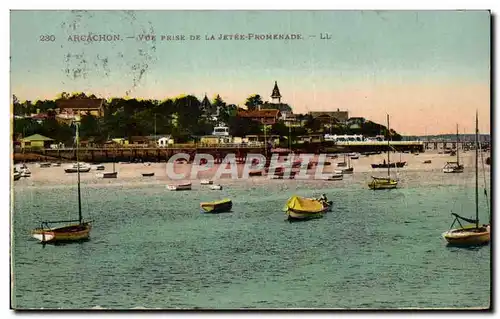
(454,167)
(74,230)
(385,182)
(472,234)
(349,169)
(113,174)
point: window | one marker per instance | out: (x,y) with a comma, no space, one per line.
(27,143)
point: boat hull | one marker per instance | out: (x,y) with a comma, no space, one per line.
(74,170)
(453,170)
(108,175)
(392,165)
(216,207)
(468,236)
(383,184)
(76,232)
(185,187)
(148,174)
(303,216)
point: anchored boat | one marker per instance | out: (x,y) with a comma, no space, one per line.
(78,168)
(385,182)
(300,208)
(221,206)
(74,230)
(454,167)
(179,187)
(472,234)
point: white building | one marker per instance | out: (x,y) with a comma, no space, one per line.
(165,141)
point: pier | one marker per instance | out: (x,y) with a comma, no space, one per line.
(139,153)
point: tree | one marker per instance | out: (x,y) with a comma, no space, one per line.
(253,101)
(242,126)
(312,124)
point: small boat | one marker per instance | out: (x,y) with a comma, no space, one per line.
(454,167)
(216,187)
(385,182)
(468,235)
(78,168)
(387,165)
(382,183)
(222,206)
(24,170)
(427,161)
(301,208)
(108,175)
(148,174)
(74,230)
(179,187)
(341,164)
(334,177)
(113,174)
(473,234)
(17,175)
(206,182)
(44,165)
(99,167)
(349,170)
(56,164)
(353,155)
(488,161)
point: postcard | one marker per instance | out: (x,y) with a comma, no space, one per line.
(250,160)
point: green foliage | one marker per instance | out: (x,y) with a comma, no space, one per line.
(182,117)
(253,101)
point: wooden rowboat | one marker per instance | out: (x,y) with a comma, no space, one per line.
(148,174)
(222,206)
(68,233)
(301,209)
(179,187)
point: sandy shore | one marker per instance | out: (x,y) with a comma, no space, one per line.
(134,171)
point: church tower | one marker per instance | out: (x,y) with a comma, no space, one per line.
(276,95)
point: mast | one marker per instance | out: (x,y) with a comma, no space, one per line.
(388,148)
(458,159)
(77,124)
(477,188)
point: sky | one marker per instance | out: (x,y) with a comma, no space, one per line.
(429,70)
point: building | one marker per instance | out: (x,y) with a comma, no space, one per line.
(36,141)
(215,140)
(275,103)
(267,117)
(328,117)
(81,106)
(165,141)
(355,122)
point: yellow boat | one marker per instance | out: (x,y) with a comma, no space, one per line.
(300,208)
(220,206)
(382,183)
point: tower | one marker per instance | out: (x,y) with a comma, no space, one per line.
(276,95)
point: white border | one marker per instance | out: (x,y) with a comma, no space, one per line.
(186,4)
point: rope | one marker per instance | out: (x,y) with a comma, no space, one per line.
(484,178)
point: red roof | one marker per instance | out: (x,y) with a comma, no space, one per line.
(259,113)
(86,104)
(40,116)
